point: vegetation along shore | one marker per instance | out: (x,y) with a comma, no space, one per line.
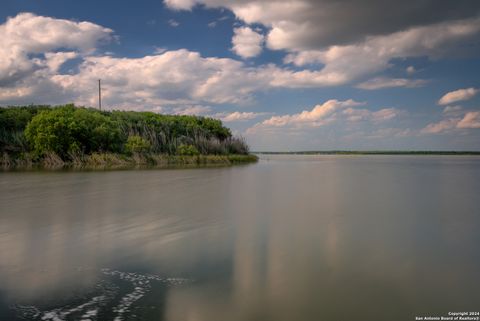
(78,137)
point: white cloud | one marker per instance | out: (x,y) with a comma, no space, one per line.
(332,124)
(318,116)
(173,23)
(246,42)
(470,120)
(176,77)
(27,34)
(179,81)
(411,70)
(382,82)
(37,34)
(316,24)
(54,60)
(441,126)
(340,112)
(356,114)
(172,77)
(349,62)
(166,78)
(237,116)
(344,42)
(458,95)
(180,4)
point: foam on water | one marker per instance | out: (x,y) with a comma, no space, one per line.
(61,314)
(89,310)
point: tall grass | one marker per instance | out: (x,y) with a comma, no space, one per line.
(76,136)
(161,141)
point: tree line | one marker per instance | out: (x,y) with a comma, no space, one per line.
(69,131)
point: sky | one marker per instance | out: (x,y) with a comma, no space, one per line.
(288,75)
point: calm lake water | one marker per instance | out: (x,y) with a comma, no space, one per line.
(289,238)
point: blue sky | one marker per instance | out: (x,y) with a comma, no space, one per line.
(285,74)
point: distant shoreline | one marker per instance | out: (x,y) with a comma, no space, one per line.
(386,152)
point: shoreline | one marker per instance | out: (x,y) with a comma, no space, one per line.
(347,152)
(105,161)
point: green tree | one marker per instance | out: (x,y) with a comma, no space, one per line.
(137,145)
(68,129)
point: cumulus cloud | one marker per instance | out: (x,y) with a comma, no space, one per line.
(316,24)
(318,116)
(174,77)
(182,76)
(180,4)
(36,34)
(246,42)
(332,124)
(54,60)
(326,113)
(165,78)
(469,120)
(382,82)
(348,62)
(162,79)
(355,114)
(458,95)
(441,126)
(352,39)
(31,43)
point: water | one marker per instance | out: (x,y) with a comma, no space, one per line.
(289,238)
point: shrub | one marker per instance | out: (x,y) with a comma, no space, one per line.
(187,150)
(74,132)
(137,145)
(67,129)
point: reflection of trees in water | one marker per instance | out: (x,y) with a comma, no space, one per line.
(57,223)
(320,245)
(268,242)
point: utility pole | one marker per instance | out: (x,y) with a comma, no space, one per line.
(100,94)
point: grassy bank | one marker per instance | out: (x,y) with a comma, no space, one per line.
(118,161)
(78,137)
